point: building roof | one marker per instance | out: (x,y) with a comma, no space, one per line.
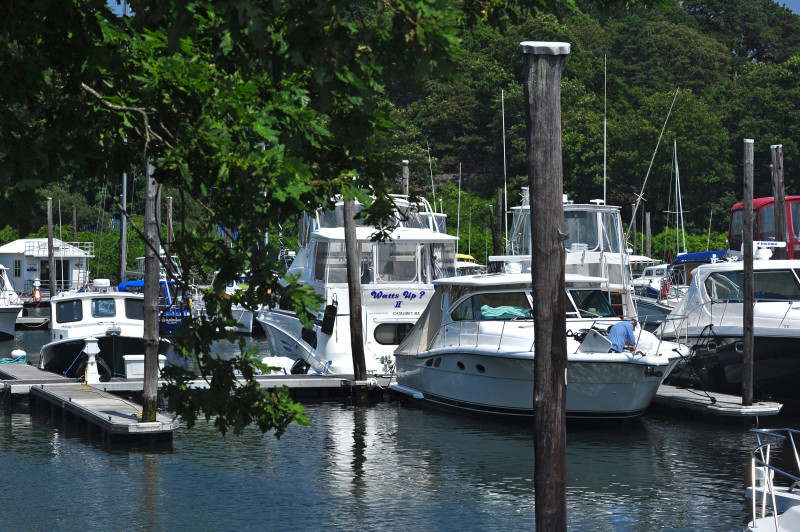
(38,247)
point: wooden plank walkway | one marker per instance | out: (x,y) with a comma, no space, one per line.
(716,404)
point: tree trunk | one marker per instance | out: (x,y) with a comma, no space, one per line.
(779,193)
(151,291)
(543,66)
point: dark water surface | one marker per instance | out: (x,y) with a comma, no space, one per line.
(382,467)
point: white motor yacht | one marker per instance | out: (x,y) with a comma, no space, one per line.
(115,319)
(10,305)
(397,281)
(709,319)
(473,350)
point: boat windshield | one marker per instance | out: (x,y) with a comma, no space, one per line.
(589,303)
(493,306)
(769,285)
(589,230)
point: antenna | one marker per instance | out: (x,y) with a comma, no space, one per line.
(605,94)
(710,217)
(641,192)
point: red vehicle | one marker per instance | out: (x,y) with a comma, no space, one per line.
(764,223)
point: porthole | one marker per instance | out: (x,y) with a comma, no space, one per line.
(437,362)
(429,362)
(460,365)
(480,368)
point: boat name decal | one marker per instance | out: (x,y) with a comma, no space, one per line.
(380,294)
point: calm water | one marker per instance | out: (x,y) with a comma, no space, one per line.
(383,467)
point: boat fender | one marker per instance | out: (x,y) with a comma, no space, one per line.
(328,319)
(300,367)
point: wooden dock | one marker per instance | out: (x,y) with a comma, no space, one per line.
(118,418)
(711,403)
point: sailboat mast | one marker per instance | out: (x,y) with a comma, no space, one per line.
(605,98)
(430,166)
(505,180)
(458,212)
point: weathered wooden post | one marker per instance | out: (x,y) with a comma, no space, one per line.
(633,230)
(151,285)
(51,260)
(169,237)
(123,230)
(544,63)
(354,293)
(779,193)
(74,223)
(747,248)
(648,240)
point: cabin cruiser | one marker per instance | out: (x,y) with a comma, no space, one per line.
(115,319)
(473,350)
(10,305)
(397,281)
(709,319)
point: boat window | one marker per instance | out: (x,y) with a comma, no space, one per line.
(581,228)
(766,223)
(494,306)
(768,285)
(463,312)
(103,308)
(330,262)
(68,311)
(592,303)
(794,209)
(443,260)
(737,226)
(367,267)
(396,262)
(134,309)
(392,333)
(321,255)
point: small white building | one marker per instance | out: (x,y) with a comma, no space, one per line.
(27,259)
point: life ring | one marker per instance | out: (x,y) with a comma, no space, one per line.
(37,295)
(664,288)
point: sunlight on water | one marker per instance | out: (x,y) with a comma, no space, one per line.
(383,467)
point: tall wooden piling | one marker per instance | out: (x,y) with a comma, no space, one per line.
(779,193)
(354,291)
(544,63)
(648,239)
(152,274)
(747,248)
(51,261)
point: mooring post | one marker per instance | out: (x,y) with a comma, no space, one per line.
(648,241)
(779,193)
(351,248)
(544,62)
(747,248)
(50,250)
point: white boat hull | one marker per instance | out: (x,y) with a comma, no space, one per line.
(8,319)
(621,385)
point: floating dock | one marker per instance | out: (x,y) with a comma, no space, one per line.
(119,419)
(710,403)
(32,322)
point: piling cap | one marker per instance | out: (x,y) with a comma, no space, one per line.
(545,48)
